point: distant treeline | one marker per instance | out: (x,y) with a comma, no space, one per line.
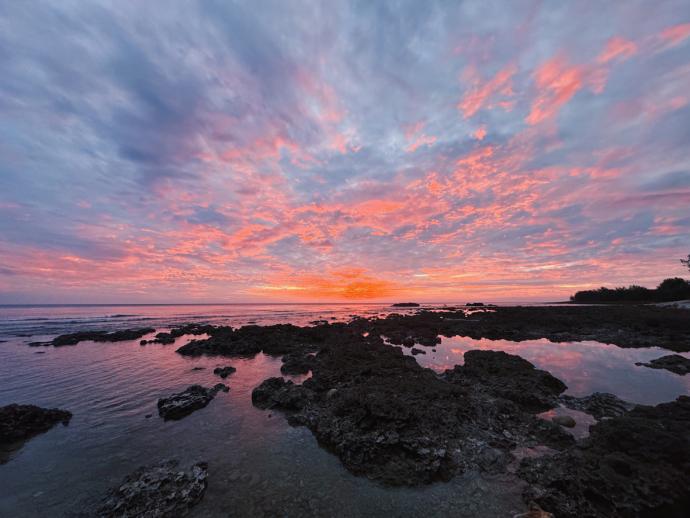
(669,290)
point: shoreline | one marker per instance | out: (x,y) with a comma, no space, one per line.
(388,419)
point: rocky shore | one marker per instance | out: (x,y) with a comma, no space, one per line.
(388,419)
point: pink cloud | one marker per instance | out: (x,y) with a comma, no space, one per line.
(481,95)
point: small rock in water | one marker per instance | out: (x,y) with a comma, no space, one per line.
(157,491)
(416,351)
(564,420)
(184,403)
(19,422)
(199,368)
(224,372)
(673,362)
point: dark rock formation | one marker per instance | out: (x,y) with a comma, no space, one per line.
(625,326)
(161,491)
(297,363)
(224,372)
(184,403)
(637,464)
(673,362)
(391,420)
(510,377)
(250,340)
(599,405)
(20,422)
(96,336)
(405,305)
(416,351)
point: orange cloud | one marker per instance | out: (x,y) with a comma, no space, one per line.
(481,95)
(557,82)
(480,133)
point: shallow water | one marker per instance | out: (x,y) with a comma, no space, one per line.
(258,465)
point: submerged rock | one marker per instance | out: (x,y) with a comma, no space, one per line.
(224,372)
(637,464)
(673,362)
(184,403)
(600,405)
(161,491)
(564,420)
(20,422)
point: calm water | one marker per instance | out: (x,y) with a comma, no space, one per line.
(258,465)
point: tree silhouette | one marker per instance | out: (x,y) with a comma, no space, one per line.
(686,262)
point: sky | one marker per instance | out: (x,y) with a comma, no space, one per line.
(223,151)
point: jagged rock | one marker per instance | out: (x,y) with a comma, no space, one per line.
(394,421)
(277,392)
(510,377)
(599,404)
(224,372)
(637,464)
(184,403)
(161,491)
(20,422)
(250,340)
(673,362)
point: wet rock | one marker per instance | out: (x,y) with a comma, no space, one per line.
(21,422)
(673,362)
(277,392)
(625,326)
(416,351)
(224,372)
(637,464)
(391,420)
(157,491)
(297,363)
(184,403)
(564,420)
(249,340)
(95,336)
(599,404)
(164,338)
(405,305)
(510,377)
(198,369)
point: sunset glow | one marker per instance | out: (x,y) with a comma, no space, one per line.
(450,151)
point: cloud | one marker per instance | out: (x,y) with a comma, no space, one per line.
(306,150)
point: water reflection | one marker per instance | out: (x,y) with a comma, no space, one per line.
(585,367)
